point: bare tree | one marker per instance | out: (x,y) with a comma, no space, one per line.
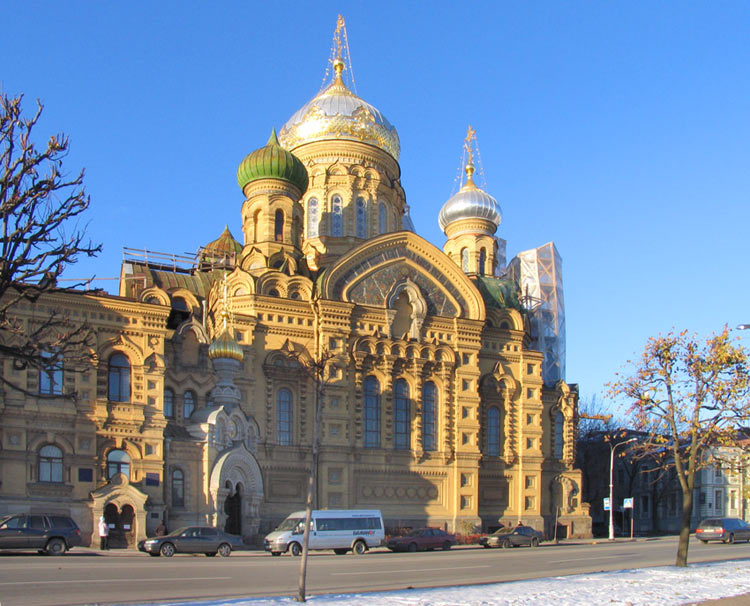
(688,397)
(40,209)
(317,370)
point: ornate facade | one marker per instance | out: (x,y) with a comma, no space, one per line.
(200,408)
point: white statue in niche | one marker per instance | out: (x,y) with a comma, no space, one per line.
(405,311)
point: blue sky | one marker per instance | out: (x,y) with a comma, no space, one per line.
(619,130)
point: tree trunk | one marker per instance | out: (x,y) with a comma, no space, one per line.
(308,506)
(684,543)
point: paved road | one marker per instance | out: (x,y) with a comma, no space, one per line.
(86,577)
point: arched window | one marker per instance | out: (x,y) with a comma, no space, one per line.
(284,417)
(429,414)
(493,431)
(178,488)
(465,259)
(118,461)
(337,218)
(402,414)
(169,403)
(278,226)
(50,464)
(382,219)
(361,218)
(372,413)
(559,424)
(51,374)
(256,225)
(313,218)
(188,404)
(119,378)
(482,261)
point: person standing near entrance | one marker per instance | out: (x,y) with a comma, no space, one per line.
(161,529)
(103,534)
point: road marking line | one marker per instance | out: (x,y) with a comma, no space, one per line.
(590,558)
(345,574)
(128,580)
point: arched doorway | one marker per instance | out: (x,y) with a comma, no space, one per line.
(233,509)
(236,489)
(121,524)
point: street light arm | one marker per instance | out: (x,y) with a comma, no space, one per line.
(612,448)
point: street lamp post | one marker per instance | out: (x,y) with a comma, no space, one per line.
(612,448)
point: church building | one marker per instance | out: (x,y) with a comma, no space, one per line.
(442,397)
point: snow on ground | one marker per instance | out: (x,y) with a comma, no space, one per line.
(665,586)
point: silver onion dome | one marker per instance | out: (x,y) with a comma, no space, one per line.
(470,203)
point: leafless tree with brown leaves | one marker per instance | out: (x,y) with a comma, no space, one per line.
(40,210)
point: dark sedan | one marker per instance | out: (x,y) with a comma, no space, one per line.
(513,537)
(422,539)
(192,539)
(726,530)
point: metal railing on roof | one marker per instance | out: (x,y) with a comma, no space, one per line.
(184,263)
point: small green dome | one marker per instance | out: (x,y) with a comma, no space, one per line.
(272,162)
(224,244)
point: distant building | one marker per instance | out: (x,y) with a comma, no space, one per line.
(446,402)
(721,488)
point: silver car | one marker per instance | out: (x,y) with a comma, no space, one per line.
(192,539)
(513,537)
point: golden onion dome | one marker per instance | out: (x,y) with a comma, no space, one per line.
(470,203)
(337,113)
(224,346)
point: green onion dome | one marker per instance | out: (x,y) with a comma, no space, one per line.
(224,346)
(225,244)
(272,162)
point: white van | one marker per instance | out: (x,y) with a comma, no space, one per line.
(337,529)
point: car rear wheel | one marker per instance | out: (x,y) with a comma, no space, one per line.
(446,546)
(505,544)
(295,549)
(534,542)
(224,550)
(167,550)
(412,547)
(359,548)
(56,547)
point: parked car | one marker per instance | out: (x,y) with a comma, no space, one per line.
(422,539)
(51,534)
(726,530)
(513,537)
(192,539)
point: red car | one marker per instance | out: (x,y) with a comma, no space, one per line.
(422,539)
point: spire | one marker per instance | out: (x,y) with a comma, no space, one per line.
(471,135)
(273,139)
(340,57)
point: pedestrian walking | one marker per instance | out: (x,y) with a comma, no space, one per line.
(161,529)
(103,534)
